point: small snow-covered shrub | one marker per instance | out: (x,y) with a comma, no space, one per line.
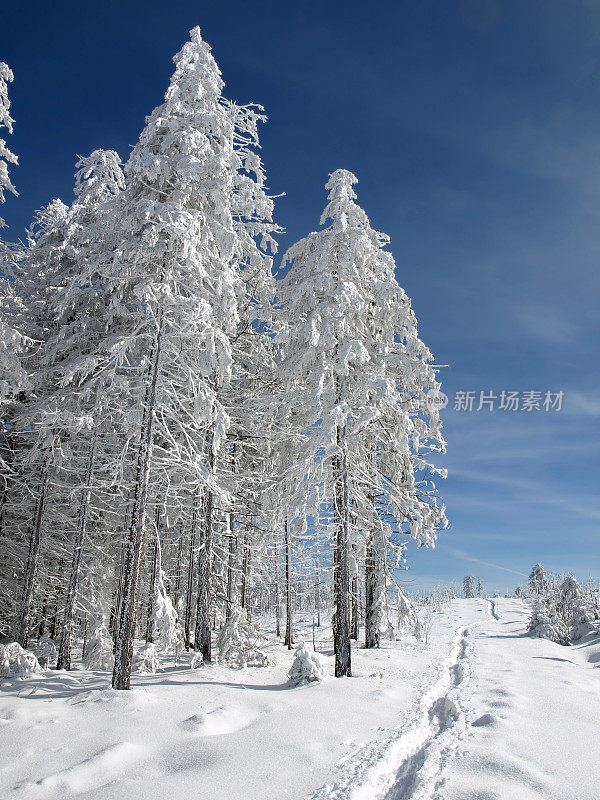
(16,662)
(406,613)
(306,667)
(99,650)
(573,608)
(546,623)
(167,633)
(46,651)
(147,661)
(562,613)
(197,660)
(238,643)
(425,611)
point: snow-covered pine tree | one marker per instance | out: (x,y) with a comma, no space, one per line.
(183,266)
(538,581)
(79,319)
(13,377)
(356,378)
(6,121)
(546,622)
(307,666)
(469,586)
(65,321)
(572,606)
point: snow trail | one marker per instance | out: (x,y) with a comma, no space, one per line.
(534,707)
(493,611)
(493,726)
(410,762)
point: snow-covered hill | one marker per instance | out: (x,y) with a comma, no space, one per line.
(481,712)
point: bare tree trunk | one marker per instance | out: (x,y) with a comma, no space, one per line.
(244,600)
(54,609)
(189,596)
(341,576)
(85,638)
(21,633)
(135,540)
(277,600)
(372,586)
(152,587)
(64,647)
(317,585)
(119,567)
(355,619)
(230,570)
(178,575)
(41,630)
(289,630)
(202,633)
(45,590)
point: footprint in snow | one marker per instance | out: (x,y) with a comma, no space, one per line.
(485,720)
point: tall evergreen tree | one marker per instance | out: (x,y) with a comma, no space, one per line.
(357,376)
(184,266)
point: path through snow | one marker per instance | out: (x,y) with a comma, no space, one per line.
(512,718)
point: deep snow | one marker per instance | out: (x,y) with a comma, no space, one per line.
(480,713)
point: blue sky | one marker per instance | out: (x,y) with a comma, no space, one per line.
(474,130)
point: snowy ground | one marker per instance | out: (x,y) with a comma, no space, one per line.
(480,713)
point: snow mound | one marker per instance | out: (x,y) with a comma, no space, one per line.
(99,770)
(17,663)
(307,666)
(131,700)
(220,721)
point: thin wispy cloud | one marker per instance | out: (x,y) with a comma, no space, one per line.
(534,492)
(465,557)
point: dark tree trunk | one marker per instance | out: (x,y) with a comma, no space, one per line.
(55,608)
(372,582)
(230,570)
(244,600)
(178,571)
(189,595)
(202,633)
(135,539)
(355,622)
(341,573)
(22,633)
(152,587)
(64,647)
(318,586)
(119,567)
(277,599)
(289,629)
